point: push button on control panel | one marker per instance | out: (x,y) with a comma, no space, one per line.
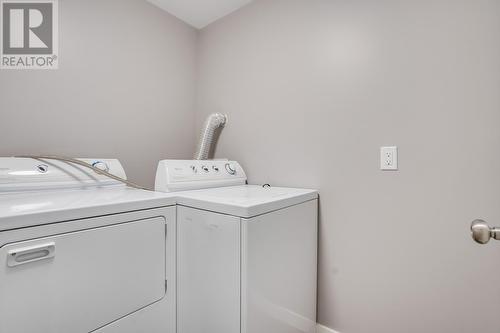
(205,168)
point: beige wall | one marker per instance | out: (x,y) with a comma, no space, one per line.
(313,88)
(125,88)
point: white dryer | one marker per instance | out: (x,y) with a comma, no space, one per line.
(81,253)
(247,255)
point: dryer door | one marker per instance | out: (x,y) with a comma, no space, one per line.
(78,282)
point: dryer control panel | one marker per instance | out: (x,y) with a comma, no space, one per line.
(183,175)
(27,174)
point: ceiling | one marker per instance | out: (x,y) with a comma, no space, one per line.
(200,13)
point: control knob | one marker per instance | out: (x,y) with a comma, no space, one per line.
(230,168)
(101,166)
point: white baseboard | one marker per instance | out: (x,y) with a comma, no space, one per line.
(324,329)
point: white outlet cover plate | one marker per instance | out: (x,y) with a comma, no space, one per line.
(389,158)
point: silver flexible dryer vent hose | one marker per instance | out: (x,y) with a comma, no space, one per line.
(208,135)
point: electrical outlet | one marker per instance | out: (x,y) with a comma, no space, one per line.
(389,158)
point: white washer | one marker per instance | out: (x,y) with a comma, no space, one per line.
(247,255)
(81,253)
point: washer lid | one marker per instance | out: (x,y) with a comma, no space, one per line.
(245,201)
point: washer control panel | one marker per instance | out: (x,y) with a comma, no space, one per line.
(183,175)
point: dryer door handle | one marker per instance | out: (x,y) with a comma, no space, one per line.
(31,254)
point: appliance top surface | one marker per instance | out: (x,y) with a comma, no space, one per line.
(37,191)
(25,209)
(245,200)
